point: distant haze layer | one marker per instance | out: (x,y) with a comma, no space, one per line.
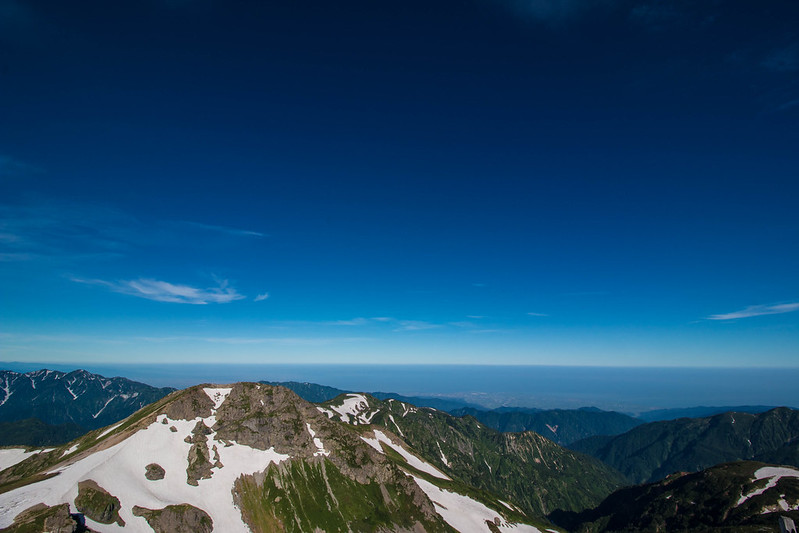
(630,389)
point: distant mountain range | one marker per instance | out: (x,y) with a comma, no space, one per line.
(563,426)
(650,452)
(742,497)
(51,406)
(657,415)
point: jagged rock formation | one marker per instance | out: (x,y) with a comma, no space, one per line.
(200,464)
(97,503)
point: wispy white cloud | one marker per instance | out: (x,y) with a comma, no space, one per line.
(758,310)
(788,105)
(382,321)
(261,297)
(222,229)
(12,168)
(313,341)
(552,10)
(61,231)
(163,291)
(785,59)
(415,325)
(82,339)
(351,322)
(463,324)
(537,314)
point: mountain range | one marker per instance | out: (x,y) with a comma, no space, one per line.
(745,497)
(650,452)
(250,457)
(258,457)
(54,407)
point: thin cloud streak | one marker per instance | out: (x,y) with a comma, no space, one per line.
(222,229)
(537,314)
(22,338)
(67,231)
(163,291)
(261,297)
(758,310)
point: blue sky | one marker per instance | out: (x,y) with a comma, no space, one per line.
(516,182)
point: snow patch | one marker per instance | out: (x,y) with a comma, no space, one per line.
(71,449)
(320,447)
(120,470)
(354,409)
(467,515)
(443,457)
(11,456)
(95,415)
(7,389)
(217,395)
(391,417)
(107,431)
(328,412)
(774,473)
(407,409)
(411,459)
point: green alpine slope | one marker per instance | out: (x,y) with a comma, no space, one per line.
(652,451)
(732,497)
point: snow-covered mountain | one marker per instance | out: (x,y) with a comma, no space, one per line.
(245,457)
(88,400)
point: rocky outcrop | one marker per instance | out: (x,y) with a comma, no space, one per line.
(40,517)
(189,404)
(263,416)
(199,463)
(97,503)
(182,518)
(154,472)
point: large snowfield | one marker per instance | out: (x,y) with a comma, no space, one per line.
(120,470)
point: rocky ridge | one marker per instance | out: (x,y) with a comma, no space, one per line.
(251,458)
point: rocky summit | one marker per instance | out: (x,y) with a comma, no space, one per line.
(252,457)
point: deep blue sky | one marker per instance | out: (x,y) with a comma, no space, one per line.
(517,181)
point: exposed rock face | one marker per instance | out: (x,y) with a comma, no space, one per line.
(97,503)
(199,463)
(154,472)
(182,518)
(40,517)
(189,404)
(262,416)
